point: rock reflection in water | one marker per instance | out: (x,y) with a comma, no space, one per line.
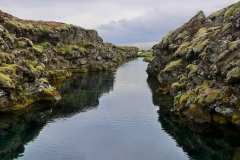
(79,94)
(199,142)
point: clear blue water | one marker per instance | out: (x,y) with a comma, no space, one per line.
(107,116)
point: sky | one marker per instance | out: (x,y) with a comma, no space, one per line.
(133,22)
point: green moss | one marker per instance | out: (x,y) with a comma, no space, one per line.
(183,35)
(87,45)
(81,70)
(181,99)
(38,26)
(226,26)
(45,44)
(6,57)
(147,55)
(8,36)
(24,103)
(207,95)
(192,68)
(177,86)
(200,45)
(38,48)
(202,87)
(202,96)
(183,49)
(34,66)
(43,80)
(201,32)
(201,38)
(68,49)
(182,78)
(6,81)
(185,97)
(173,46)
(23,42)
(49,90)
(233,45)
(148,59)
(232,10)
(49,94)
(59,75)
(40,68)
(173,65)
(82,49)
(9,69)
(211,95)
(233,75)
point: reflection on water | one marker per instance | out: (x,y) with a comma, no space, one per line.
(199,142)
(79,94)
(88,124)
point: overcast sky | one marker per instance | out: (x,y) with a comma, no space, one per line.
(117,21)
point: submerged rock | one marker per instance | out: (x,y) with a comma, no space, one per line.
(34,54)
(199,64)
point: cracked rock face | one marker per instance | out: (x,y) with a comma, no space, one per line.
(35,54)
(199,63)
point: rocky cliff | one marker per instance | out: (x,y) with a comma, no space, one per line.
(199,64)
(34,54)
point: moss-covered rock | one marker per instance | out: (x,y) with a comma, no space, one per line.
(183,49)
(234,45)
(232,10)
(50,93)
(6,58)
(177,86)
(203,54)
(24,42)
(233,75)
(34,54)
(193,68)
(6,81)
(173,65)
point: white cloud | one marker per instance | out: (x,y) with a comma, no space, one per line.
(161,18)
(118,21)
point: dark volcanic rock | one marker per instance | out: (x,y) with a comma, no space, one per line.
(34,53)
(199,64)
